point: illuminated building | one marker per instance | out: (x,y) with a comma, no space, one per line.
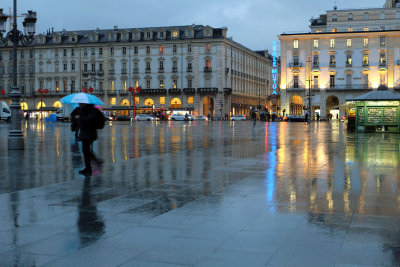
(347,53)
(191,68)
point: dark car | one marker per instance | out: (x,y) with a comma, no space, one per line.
(123,118)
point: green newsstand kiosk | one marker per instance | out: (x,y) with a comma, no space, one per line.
(377,111)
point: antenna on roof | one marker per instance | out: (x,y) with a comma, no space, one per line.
(335,7)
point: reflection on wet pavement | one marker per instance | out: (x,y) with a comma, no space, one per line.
(218,193)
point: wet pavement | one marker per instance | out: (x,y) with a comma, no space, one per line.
(201,194)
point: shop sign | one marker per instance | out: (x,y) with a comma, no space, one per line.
(274,68)
(382,103)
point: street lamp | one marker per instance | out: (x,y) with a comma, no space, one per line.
(309,95)
(15,137)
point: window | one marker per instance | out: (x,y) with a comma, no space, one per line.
(174,49)
(348,43)
(189,48)
(65,67)
(348,79)
(174,34)
(366,16)
(349,60)
(72,66)
(148,49)
(315,82)
(85,51)
(295,60)
(111,51)
(56,52)
(72,52)
(112,66)
(366,29)
(382,59)
(332,79)
(332,60)
(296,44)
(189,83)
(124,50)
(85,67)
(161,65)
(365,80)
(124,86)
(93,67)
(208,64)
(350,29)
(148,67)
(383,41)
(93,51)
(296,81)
(174,83)
(350,17)
(148,35)
(124,36)
(332,43)
(365,42)
(161,86)
(58,86)
(22,53)
(112,85)
(162,100)
(189,67)
(382,77)
(315,43)
(382,15)
(101,87)
(65,52)
(100,66)
(30,54)
(208,47)
(148,84)
(334,30)
(316,60)
(112,37)
(136,84)
(365,60)
(190,100)
(161,49)
(189,33)
(135,50)
(65,85)
(382,28)
(161,34)
(334,17)
(100,51)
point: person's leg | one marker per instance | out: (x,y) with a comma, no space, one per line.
(87,157)
(93,156)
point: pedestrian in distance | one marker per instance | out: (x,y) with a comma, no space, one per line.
(75,122)
(186,118)
(27,116)
(318,116)
(90,119)
(254,117)
(306,118)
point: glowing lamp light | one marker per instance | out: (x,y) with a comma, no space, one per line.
(322,87)
(375,85)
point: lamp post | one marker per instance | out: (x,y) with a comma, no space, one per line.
(309,95)
(15,137)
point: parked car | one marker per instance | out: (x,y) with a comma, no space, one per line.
(292,117)
(177,117)
(200,118)
(239,118)
(144,117)
(123,118)
(154,117)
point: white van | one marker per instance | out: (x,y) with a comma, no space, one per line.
(5,112)
(64,112)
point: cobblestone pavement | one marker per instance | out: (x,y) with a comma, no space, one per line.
(201,194)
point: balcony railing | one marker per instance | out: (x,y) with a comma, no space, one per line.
(135,70)
(93,72)
(332,64)
(227,91)
(123,92)
(207,69)
(189,91)
(124,71)
(365,64)
(315,65)
(350,87)
(111,92)
(148,70)
(111,72)
(174,91)
(174,69)
(382,64)
(100,72)
(154,91)
(85,72)
(161,70)
(295,65)
(207,90)
(189,70)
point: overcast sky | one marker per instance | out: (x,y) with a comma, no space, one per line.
(253,23)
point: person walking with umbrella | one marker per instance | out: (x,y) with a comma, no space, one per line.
(90,119)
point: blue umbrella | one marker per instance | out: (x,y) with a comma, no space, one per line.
(81,98)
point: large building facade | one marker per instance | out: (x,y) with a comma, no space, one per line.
(192,68)
(347,53)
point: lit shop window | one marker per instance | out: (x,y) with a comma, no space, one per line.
(365,42)
(296,44)
(348,43)
(332,43)
(315,43)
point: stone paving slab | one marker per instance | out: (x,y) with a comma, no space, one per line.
(201,194)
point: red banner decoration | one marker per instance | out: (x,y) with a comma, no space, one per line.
(138,89)
(91,89)
(3,92)
(84,90)
(46,91)
(131,89)
(39,91)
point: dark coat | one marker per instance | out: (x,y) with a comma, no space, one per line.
(87,122)
(75,119)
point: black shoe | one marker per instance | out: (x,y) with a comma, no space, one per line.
(86,172)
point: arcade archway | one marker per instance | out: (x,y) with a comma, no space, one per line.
(176,103)
(332,107)
(208,106)
(296,105)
